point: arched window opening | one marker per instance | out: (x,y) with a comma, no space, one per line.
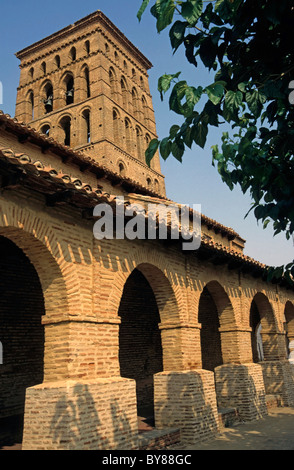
(149,182)
(44,68)
(135,100)
(128,134)
(45,130)
(73,54)
(124,92)
(69,90)
(256,341)
(122,170)
(48,100)
(139,142)
(86,126)
(32,105)
(112,81)
(125,66)
(87,47)
(57,61)
(145,108)
(87,79)
(65,124)
(115,118)
(133,73)
(116,56)
(156,185)
(106,49)
(31,72)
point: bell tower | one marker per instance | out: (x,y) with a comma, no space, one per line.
(86,86)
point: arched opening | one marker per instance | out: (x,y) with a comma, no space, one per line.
(31,73)
(263,339)
(48,97)
(112,81)
(87,47)
(128,135)
(87,80)
(122,169)
(86,126)
(57,61)
(21,335)
(124,92)
(73,54)
(289,329)
(69,89)
(210,336)
(43,68)
(65,124)
(115,118)
(31,101)
(135,100)
(140,349)
(139,143)
(256,340)
(45,129)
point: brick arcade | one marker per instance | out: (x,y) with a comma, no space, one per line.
(98,332)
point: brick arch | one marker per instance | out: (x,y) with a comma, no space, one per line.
(39,244)
(264,336)
(266,312)
(168,296)
(223,303)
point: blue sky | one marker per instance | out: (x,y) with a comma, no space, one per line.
(195,181)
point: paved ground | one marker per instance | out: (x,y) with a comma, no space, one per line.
(275,432)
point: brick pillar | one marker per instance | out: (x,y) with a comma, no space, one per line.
(181,346)
(241,387)
(236,344)
(83,402)
(186,400)
(97,414)
(277,371)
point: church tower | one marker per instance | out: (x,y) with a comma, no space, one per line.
(86,86)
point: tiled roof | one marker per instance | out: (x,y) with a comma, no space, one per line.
(26,133)
(19,169)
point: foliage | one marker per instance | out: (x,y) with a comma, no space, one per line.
(248,45)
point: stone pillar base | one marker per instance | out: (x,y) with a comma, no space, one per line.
(278,380)
(241,386)
(186,400)
(99,414)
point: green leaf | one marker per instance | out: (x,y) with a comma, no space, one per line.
(165,147)
(177,34)
(151,150)
(215,92)
(193,95)
(142,9)
(200,132)
(254,103)
(192,10)
(163,11)
(173,131)
(164,83)
(233,100)
(177,149)
(177,95)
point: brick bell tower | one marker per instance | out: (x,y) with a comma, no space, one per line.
(86,86)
